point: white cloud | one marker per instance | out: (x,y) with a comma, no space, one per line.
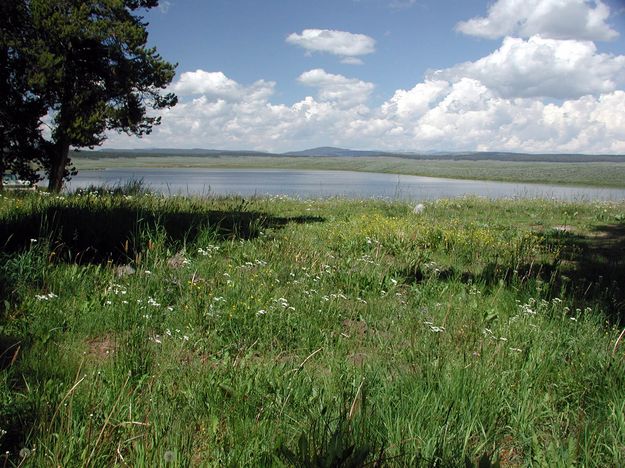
(540,67)
(557,19)
(342,43)
(342,91)
(352,61)
(459,113)
(471,117)
(203,82)
(164,6)
(416,101)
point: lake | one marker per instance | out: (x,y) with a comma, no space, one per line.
(319,184)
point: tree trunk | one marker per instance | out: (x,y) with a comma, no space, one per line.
(57,166)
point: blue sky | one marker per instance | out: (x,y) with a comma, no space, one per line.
(277,75)
(247,39)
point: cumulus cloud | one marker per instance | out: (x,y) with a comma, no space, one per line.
(556,19)
(203,82)
(455,113)
(250,120)
(342,91)
(540,67)
(470,116)
(414,102)
(347,45)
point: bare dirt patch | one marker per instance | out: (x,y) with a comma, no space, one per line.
(357,359)
(510,456)
(102,347)
(355,328)
(177,261)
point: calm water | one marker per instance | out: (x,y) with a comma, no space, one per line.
(315,184)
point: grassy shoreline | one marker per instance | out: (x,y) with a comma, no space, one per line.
(145,330)
(601,174)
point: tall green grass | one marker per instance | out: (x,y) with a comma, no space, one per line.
(152,331)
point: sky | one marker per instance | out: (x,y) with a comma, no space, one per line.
(394,75)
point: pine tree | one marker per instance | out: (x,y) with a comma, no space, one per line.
(92,69)
(21,143)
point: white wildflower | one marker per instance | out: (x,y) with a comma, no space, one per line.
(153,302)
(45,297)
(419,208)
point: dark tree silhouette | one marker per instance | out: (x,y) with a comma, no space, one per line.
(21,143)
(89,68)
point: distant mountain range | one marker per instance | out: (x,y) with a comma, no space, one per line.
(329,151)
(182,152)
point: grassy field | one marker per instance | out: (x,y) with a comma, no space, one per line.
(599,174)
(148,331)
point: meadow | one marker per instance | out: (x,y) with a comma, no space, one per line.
(595,174)
(144,330)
